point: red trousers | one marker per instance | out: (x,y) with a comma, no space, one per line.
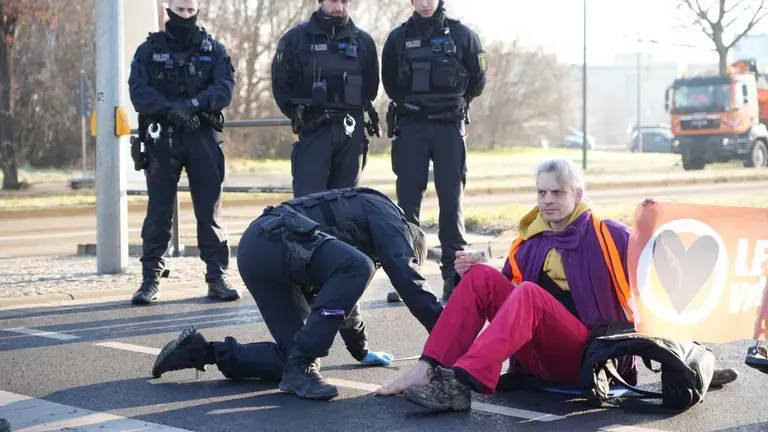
(525,322)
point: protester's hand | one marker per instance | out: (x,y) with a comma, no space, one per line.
(381,358)
(463,263)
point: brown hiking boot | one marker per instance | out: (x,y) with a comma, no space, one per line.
(443,392)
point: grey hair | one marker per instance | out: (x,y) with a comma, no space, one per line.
(566,172)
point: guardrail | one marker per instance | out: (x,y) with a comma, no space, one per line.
(239,189)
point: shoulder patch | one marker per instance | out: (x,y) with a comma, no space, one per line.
(482,61)
(281,45)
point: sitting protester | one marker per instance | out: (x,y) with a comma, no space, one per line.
(565,273)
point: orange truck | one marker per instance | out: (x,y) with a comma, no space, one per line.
(719,118)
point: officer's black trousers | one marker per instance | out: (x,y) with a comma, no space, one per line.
(201,155)
(442,142)
(326,158)
(266,265)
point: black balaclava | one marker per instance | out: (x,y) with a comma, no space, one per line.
(428,23)
(333,21)
(182,29)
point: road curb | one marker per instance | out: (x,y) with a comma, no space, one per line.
(168,290)
(271,199)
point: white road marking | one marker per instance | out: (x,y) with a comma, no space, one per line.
(406,358)
(129,347)
(478,406)
(622,428)
(28,414)
(515,412)
(41,333)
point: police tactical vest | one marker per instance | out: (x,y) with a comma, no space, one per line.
(431,72)
(181,75)
(331,72)
(340,213)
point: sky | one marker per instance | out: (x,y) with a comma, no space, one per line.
(557,25)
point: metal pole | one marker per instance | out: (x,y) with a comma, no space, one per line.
(82,121)
(639,98)
(111,151)
(84,142)
(584,95)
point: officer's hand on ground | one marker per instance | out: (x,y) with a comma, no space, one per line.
(463,263)
(381,358)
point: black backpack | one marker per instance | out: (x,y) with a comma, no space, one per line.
(686,367)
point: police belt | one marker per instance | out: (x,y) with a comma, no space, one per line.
(314,119)
(453,115)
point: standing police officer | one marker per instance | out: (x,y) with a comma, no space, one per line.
(432,68)
(180,81)
(325,73)
(325,246)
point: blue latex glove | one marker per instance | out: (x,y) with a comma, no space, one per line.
(381,358)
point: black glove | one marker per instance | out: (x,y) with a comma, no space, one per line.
(192,124)
(179,115)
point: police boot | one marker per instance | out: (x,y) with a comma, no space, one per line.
(189,350)
(5,425)
(757,357)
(301,377)
(148,291)
(448,288)
(222,290)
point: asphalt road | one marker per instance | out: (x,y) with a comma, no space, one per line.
(49,233)
(90,370)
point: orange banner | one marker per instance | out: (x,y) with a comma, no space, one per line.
(699,272)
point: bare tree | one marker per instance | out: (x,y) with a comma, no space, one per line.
(715,18)
(526,97)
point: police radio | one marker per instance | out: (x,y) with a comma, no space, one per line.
(449,47)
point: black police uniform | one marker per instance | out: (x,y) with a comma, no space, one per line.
(432,68)
(324,76)
(331,241)
(181,79)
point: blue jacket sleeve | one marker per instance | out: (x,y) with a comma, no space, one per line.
(389,66)
(218,95)
(281,74)
(371,78)
(476,63)
(146,100)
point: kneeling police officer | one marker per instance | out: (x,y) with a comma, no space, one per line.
(325,246)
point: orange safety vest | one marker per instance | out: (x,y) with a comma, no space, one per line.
(610,255)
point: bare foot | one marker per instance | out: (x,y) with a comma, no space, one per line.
(414,377)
